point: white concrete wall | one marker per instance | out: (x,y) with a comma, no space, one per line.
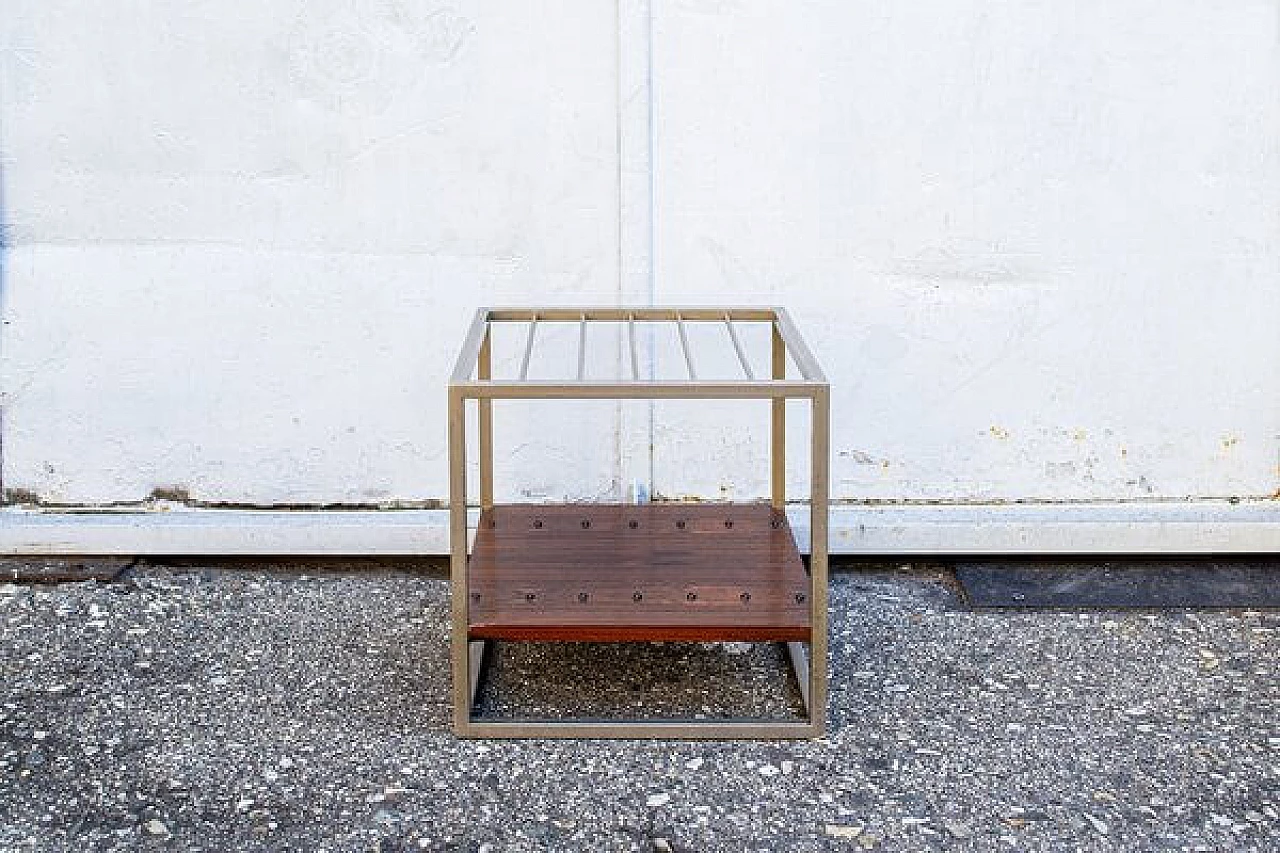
(1036,245)
(244,243)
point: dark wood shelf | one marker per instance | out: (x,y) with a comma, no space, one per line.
(650,572)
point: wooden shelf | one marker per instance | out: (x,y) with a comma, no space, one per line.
(652,572)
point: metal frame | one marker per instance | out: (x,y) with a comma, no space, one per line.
(472,379)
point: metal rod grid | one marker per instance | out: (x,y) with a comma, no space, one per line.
(467,370)
(472,380)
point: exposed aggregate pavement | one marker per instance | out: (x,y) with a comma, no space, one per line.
(253,706)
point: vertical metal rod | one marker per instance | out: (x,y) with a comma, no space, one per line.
(484,370)
(737,347)
(684,345)
(800,666)
(528,348)
(778,428)
(635,361)
(582,347)
(819,462)
(459,653)
(475,659)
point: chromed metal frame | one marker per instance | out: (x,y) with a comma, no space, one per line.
(472,379)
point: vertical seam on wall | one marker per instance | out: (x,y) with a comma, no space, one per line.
(617,143)
(651,93)
(619,422)
(636,142)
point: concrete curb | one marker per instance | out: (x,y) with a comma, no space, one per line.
(1192,527)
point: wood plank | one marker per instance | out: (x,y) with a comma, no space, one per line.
(616,573)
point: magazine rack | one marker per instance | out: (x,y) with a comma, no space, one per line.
(707,572)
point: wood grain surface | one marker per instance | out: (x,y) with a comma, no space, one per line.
(615,573)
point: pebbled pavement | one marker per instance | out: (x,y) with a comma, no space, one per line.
(295,706)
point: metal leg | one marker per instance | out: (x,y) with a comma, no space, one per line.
(820,466)
(484,370)
(778,428)
(458,560)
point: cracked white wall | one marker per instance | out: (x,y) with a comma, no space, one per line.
(243,244)
(1036,246)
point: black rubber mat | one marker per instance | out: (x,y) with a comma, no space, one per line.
(61,569)
(1209,582)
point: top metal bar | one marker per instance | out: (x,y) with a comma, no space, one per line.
(626,389)
(804,359)
(528,348)
(737,347)
(469,355)
(635,362)
(684,345)
(618,315)
(466,367)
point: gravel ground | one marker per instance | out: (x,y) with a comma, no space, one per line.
(230,706)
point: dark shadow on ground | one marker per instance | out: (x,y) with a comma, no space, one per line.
(1251,582)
